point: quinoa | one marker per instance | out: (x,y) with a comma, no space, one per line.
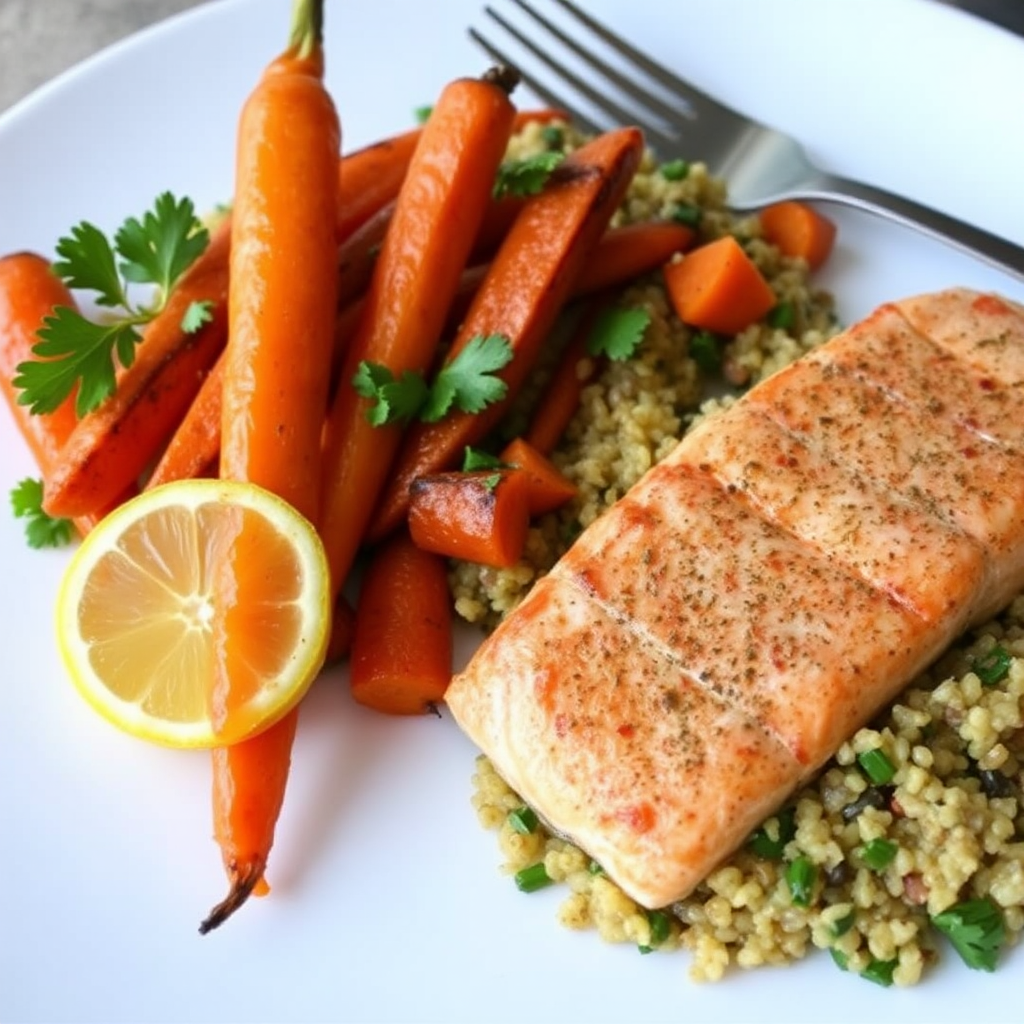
(879,860)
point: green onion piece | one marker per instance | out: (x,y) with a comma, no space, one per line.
(422,114)
(843,925)
(660,926)
(523,820)
(705,351)
(994,666)
(764,846)
(879,853)
(801,875)
(880,972)
(533,878)
(675,170)
(782,316)
(977,931)
(594,868)
(688,214)
(553,136)
(877,766)
(839,958)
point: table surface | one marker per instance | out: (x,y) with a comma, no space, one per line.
(41,38)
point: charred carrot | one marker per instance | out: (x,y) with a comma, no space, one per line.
(547,487)
(799,230)
(194,447)
(275,383)
(718,287)
(112,445)
(480,517)
(436,219)
(522,294)
(402,639)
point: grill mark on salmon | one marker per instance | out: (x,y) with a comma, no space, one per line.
(710,640)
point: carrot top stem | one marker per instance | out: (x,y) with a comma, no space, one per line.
(307,28)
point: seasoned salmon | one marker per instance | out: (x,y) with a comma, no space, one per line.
(708,643)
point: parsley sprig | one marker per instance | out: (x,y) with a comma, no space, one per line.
(72,350)
(41,530)
(617,331)
(977,931)
(467,383)
(527,176)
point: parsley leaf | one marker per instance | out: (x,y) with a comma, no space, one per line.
(72,349)
(394,400)
(468,381)
(41,530)
(617,332)
(422,114)
(526,177)
(977,931)
(474,459)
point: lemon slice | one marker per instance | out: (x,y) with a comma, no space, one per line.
(185,589)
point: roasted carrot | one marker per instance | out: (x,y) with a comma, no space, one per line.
(522,294)
(629,251)
(112,445)
(194,447)
(799,230)
(547,487)
(402,638)
(275,385)
(718,287)
(437,217)
(357,255)
(480,517)
(342,626)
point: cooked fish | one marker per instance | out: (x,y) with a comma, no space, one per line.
(710,641)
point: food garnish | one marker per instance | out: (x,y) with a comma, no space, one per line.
(41,530)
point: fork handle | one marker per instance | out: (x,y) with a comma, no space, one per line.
(994,249)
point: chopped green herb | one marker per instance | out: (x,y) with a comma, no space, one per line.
(880,972)
(660,930)
(197,314)
(688,214)
(877,766)
(553,136)
(74,350)
(468,381)
(617,332)
(392,400)
(523,820)
(422,114)
(994,666)
(533,878)
(594,868)
(474,459)
(490,483)
(761,843)
(706,351)
(839,958)
(782,316)
(879,853)
(843,924)
(801,875)
(675,170)
(41,530)
(977,931)
(526,177)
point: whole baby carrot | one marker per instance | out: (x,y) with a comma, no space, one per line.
(524,290)
(281,333)
(437,216)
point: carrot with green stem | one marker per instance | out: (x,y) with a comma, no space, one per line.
(275,387)
(437,216)
(525,289)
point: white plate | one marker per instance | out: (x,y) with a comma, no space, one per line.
(387,901)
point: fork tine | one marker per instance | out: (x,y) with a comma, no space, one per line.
(699,102)
(617,113)
(627,85)
(545,94)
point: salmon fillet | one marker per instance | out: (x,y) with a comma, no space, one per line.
(709,642)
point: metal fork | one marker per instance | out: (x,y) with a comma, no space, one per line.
(759,164)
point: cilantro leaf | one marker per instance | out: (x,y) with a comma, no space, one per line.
(977,931)
(73,350)
(87,261)
(197,314)
(393,400)
(161,247)
(422,114)
(41,530)
(526,177)
(468,381)
(617,332)
(474,459)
